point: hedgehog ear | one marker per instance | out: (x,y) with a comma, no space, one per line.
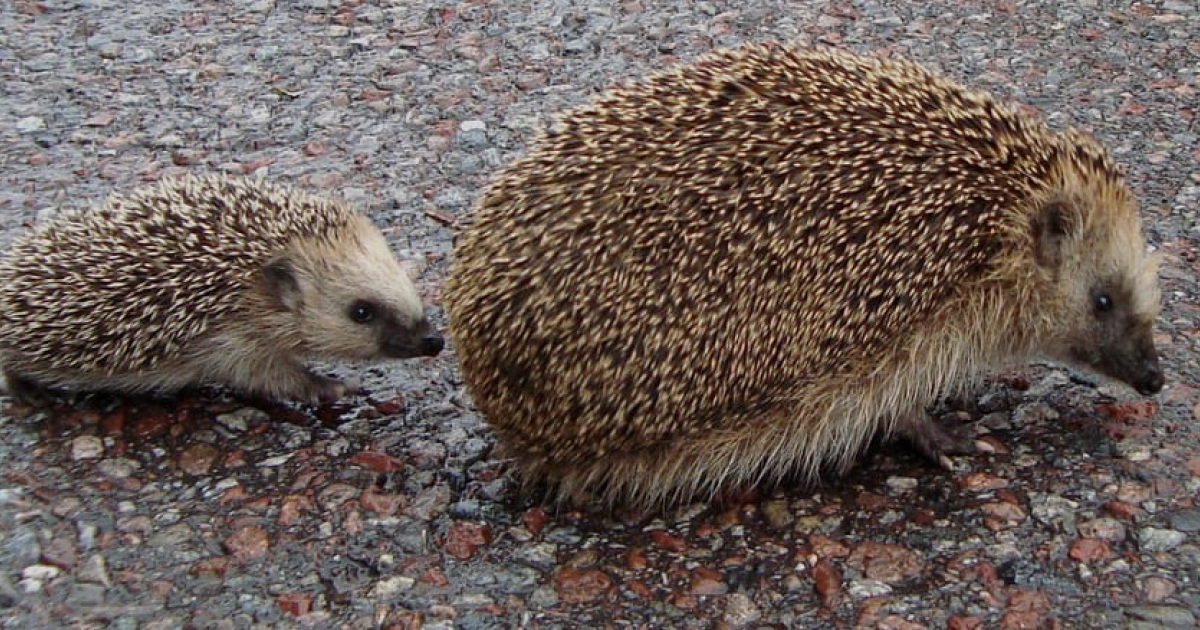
(283,283)
(1049,230)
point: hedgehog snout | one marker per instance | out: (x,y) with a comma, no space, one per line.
(431,345)
(1135,361)
(419,340)
(1142,370)
(1150,379)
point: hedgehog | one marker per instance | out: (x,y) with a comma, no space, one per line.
(746,269)
(204,279)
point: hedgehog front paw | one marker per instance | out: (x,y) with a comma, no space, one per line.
(323,389)
(933,441)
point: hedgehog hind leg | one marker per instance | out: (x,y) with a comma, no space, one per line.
(932,440)
(26,391)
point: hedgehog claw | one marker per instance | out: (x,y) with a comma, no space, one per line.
(321,390)
(933,441)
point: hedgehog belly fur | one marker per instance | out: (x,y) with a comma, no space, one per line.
(823,425)
(167,377)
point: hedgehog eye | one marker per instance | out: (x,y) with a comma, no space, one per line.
(362,312)
(1103,303)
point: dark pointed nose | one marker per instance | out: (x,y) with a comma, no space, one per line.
(431,345)
(1151,379)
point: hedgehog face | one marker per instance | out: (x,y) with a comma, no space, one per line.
(351,299)
(1108,286)
(1120,341)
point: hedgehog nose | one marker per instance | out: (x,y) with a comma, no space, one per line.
(431,345)
(1151,380)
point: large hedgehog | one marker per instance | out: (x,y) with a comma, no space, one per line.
(204,279)
(749,266)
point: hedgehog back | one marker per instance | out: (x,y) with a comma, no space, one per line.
(720,236)
(125,286)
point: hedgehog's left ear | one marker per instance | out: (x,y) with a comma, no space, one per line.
(283,282)
(1050,223)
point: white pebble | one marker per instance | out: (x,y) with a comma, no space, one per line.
(86,447)
(30,124)
(472,125)
(388,588)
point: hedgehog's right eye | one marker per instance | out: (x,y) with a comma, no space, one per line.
(1104,303)
(362,312)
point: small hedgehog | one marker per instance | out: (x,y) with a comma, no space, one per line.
(204,280)
(745,268)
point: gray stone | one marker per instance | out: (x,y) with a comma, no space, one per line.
(169,141)
(1186,520)
(118,468)
(167,622)
(902,484)
(389,587)
(577,46)
(740,611)
(30,124)
(1163,616)
(1054,510)
(12,497)
(1034,413)
(492,157)
(411,536)
(1153,539)
(465,509)
(542,555)
(996,421)
(173,537)
(891,21)
(266,53)
(471,139)
(470,164)
(85,594)
(9,596)
(543,597)
(563,535)
(123,623)
(472,125)
(87,447)
(862,589)
(20,547)
(94,570)
(1104,528)
(110,50)
(295,437)
(430,502)
(142,54)
(241,419)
